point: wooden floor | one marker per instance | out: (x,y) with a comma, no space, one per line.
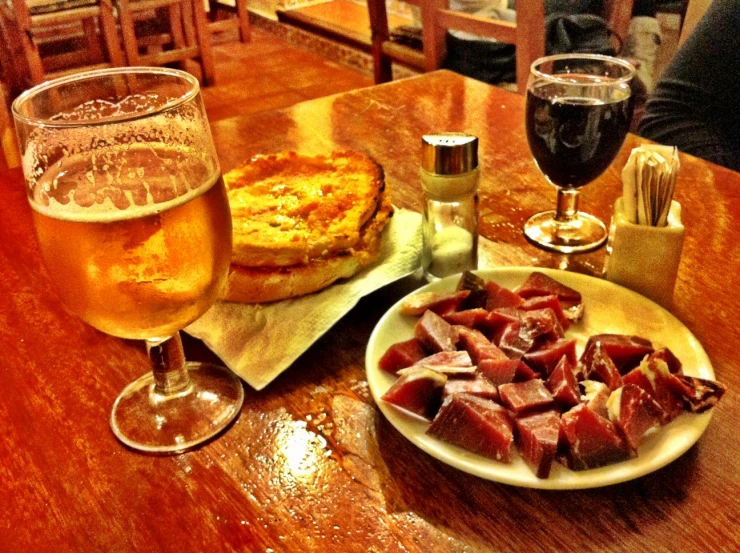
(270,73)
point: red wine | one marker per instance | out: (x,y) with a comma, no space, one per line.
(575,130)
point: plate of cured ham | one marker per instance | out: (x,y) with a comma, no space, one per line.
(541,378)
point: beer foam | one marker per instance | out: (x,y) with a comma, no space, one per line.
(133,182)
(107,212)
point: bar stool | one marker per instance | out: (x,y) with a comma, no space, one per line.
(181,35)
(58,25)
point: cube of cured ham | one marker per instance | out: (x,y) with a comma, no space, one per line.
(698,394)
(447,358)
(496,321)
(435,333)
(479,386)
(439,302)
(653,376)
(478,296)
(476,424)
(514,341)
(599,366)
(547,302)
(518,338)
(499,297)
(524,372)
(590,440)
(525,396)
(402,355)
(625,351)
(490,360)
(545,358)
(418,391)
(537,437)
(634,412)
(451,363)
(563,385)
(539,284)
(595,396)
(674,365)
(473,342)
(469,317)
(542,323)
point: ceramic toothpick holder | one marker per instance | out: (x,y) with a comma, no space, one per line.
(645,258)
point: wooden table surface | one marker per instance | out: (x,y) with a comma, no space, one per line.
(310,464)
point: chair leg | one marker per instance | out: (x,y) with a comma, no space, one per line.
(92,40)
(16,74)
(127,30)
(244,25)
(176,27)
(204,43)
(109,31)
(188,23)
(33,57)
(382,68)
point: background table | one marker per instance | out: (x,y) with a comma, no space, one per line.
(311,465)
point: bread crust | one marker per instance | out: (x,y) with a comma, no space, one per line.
(265,284)
(289,208)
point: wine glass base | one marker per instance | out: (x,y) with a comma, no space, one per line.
(150,422)
(583,233)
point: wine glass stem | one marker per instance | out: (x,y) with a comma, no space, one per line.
(567,208)
(168,364)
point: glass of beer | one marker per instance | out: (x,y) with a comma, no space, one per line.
(134,228)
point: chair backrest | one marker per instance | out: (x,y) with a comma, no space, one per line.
(527,34)
(56,21)
(694,12)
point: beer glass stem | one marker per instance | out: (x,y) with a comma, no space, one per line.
(168,364)
(567,208)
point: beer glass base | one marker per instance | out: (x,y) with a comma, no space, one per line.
(582,233)
(152,422)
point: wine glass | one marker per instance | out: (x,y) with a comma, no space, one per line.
(134,228)
(578,112)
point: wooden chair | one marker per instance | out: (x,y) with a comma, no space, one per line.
(527,34)
(240,22)
(160,32)
(30,23)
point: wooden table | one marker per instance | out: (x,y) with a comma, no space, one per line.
(311,465)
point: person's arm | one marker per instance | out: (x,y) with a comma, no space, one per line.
(695,104)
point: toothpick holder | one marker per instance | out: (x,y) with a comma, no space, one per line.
(645,258)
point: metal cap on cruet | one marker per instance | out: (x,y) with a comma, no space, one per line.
(449,153)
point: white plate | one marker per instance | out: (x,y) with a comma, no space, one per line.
(609,309)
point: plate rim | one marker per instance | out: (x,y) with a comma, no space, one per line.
(688,432)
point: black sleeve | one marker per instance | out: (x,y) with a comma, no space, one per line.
(694,105)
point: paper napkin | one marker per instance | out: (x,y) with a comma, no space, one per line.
(258,342)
